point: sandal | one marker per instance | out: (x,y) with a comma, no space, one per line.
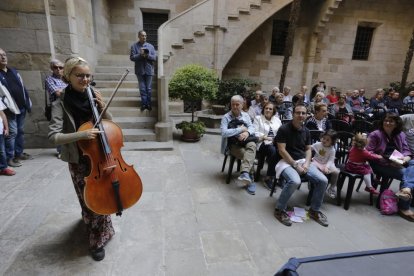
(404,194)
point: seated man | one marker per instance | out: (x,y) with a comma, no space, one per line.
(294,145)
(246,152)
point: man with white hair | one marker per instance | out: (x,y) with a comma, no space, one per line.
(236,128)
(286,96)
(272,98)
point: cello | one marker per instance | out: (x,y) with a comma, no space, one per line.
(112,185)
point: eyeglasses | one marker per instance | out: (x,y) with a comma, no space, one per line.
(82,76)
(58,67)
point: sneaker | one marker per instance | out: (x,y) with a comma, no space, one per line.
(251,189)
(283,217)
(319,217)
(98,254)
(142,107)
(331,192)
(245,178)
(404,194)
(59,156)
(268,183)
(14,163)
(7,171)
(24,156)
(371,190)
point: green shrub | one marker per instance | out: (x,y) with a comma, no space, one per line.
(231,87)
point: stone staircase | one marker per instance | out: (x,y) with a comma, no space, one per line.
(210,32)
(137,126)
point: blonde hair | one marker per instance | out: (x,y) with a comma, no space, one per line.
(71,63)
(360,140)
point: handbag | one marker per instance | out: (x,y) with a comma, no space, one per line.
(235,123)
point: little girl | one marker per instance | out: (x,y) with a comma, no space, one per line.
(324,159)
(358,156)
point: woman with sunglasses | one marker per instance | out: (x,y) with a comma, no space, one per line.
(69,112)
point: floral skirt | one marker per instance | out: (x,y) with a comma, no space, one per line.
(99,227)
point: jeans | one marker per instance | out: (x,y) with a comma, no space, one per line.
(246,154)
(316,178)
(15,140)
(396,173)
(145,89)
(3,161)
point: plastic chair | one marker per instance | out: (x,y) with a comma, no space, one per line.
(315,135)
(231,164)
(362,126)
(340,125)
(343,145)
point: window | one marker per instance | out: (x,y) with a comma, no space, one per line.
(362,43)
(279,35)
(151,23)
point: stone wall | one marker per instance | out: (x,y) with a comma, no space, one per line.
(333,60)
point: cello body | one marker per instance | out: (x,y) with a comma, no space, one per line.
(112,185)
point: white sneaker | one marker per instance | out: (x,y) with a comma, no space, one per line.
(331,192)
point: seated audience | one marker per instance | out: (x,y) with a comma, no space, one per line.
(342,108)
(384,141)
(286,94)
(357,161)
(266,126)
(319,121)
(319,87)
(355,103)
(272,97)
(246,152)
(324,159)
(409,98)
(294,147)
(395,104)
(319,98)
(332,97)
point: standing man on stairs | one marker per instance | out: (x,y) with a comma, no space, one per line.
(143,54)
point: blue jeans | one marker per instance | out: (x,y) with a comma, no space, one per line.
(145,89)
(15,140)
(396,173)
(3,161)
(316,178)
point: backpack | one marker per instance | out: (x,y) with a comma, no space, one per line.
(388,202)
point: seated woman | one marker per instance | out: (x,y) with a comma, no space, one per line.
(319,120)
(266,126)
(342,110)
(384,141)
(319,98)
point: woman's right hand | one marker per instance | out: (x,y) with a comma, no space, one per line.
(90,134)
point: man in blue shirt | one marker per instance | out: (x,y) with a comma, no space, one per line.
(143,54)
(246,152)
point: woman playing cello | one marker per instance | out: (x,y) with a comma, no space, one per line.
(68,114)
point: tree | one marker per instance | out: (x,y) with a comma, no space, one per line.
(293,22)
(407,63)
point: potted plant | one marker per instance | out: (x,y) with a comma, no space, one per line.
(229,88)
(193,83)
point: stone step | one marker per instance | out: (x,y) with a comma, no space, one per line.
(113,57)
(137,135)
(147,146)
(135,122)
(132,112)
(114,76)
(115,69)
(128,101)
(113,84)
(116,62)
(122,92)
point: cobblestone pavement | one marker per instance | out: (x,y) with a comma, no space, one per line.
(188,221)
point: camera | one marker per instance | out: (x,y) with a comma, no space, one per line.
(146,51)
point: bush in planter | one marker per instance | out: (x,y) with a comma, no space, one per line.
(231,87)
(197,127)
(193,83)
